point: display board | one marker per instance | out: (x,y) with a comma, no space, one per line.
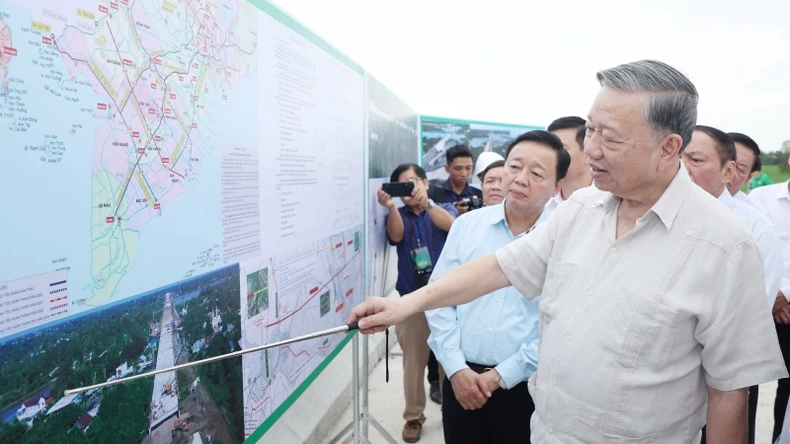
(392,140)
(184,179)
(312,189)
(438,134)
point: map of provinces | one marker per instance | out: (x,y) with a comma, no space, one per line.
(311,288)
(159,66)
(6,52)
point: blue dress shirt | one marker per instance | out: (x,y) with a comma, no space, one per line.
(499,329)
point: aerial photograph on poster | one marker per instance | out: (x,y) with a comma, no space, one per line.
(180,323)
(439,134)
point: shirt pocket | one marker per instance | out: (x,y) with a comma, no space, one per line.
(637,331)
(590,434)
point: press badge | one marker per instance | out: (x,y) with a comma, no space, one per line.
(422,258)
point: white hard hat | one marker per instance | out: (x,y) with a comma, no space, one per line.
(483,160)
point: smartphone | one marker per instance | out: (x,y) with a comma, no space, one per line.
(398,189)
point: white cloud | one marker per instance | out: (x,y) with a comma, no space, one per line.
(530,62)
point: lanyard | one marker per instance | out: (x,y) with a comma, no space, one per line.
(416,230)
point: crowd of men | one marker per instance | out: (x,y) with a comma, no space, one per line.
(616,285)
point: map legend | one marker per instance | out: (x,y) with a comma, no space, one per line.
(30,301)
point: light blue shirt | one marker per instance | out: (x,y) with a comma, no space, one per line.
(499,329)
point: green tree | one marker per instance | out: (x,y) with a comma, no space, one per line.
(781,159)
(12,432)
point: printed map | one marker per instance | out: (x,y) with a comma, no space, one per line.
(310,289)
(113,116)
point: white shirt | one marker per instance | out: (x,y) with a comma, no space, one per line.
(767,239)
(774,202)
(740,195)
(632,329)
(555,201)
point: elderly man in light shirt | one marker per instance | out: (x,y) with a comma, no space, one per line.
(651,323)
(710,160)
(774,201)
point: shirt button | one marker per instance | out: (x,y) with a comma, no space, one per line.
(688,233)
(490,329)
(612,250)
(499,299)
(553,382)
(550,430)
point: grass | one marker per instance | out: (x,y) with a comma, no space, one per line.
(776,175)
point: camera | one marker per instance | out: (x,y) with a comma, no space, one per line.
(472,202)
(423,276)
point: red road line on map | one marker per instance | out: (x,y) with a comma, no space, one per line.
(303,351)
(55,41)
(137,102)
(316,294)
(120,111)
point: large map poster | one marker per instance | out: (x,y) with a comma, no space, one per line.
(184,179)
(439,134)
(310,271)
(392,140)
(126,142)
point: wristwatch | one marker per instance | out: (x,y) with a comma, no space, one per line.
(431,203)
(501,381)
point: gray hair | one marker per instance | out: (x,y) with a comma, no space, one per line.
(671,106)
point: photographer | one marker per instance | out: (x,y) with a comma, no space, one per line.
(456,189)
(418,230)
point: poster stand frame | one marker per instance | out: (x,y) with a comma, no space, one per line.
(361,417)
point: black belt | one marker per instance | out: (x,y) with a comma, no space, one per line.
(478,368)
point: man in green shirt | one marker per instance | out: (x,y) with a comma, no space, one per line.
(759,178)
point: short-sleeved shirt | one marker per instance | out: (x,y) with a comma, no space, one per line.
(418,231)
(632,330)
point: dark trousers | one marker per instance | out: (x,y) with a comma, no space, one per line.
(783,386)
(503,419)
(433,369)
(753,392)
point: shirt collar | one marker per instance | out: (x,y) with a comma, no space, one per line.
(726,197)
(449,187)
(785,193)
(668,205)
(497,215)
(557,199)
